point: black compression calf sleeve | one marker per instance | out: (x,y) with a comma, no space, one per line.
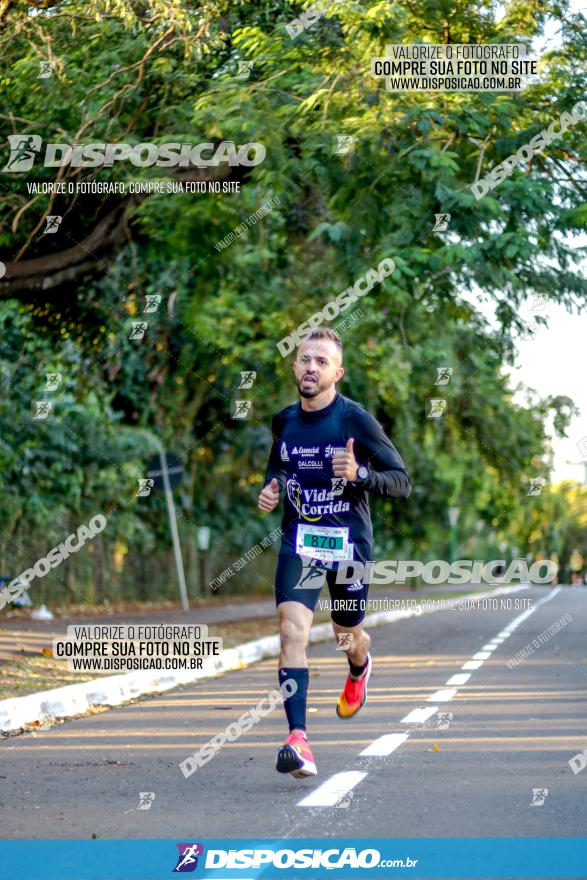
(295,706)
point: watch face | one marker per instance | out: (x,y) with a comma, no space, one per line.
(363,473)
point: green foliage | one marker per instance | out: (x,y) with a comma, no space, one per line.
(164,72)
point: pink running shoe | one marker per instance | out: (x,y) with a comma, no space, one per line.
(354,695)
(295,756)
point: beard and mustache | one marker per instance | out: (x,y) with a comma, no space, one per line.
(312,389)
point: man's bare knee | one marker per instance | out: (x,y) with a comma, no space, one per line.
(295,621)
(292,634)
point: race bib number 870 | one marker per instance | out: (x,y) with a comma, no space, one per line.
(329,543)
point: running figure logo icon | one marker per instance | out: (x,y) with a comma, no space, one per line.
(441,222)
(46,69)
(244,69)
(53,223)
(146,799)
(53,381)
(344,799)
(243,409)
(443,375)
(444,719)
(138,329)
(23,151)
(312,576)
(539,301)
(42,410)
(187,860)
(344,143)
(537,484)
(247,379)
(539,795)
(344,641)
(145,487)
(152,301)
(437,408)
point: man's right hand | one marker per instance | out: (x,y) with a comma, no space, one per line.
(269,496)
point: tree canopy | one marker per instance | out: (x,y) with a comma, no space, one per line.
(158,72)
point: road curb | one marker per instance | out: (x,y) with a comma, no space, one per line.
(46,707)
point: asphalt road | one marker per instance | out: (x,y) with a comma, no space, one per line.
(512,730)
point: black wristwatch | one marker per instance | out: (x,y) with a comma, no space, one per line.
(362,475)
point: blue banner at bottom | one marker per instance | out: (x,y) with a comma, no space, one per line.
(228,859)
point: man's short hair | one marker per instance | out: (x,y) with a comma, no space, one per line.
(326,333)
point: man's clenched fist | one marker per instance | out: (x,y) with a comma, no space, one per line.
(344,464)
(269,496)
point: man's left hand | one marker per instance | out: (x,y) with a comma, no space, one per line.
(344,464)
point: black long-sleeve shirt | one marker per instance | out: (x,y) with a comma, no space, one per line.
(301,461)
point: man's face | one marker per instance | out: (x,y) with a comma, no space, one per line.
(317,367)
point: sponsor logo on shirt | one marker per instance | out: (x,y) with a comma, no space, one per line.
(283,452)
(311,465)
(312,504)
(305,450)
(331,451)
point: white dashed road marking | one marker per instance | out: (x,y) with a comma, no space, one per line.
(385,745)
(459,678)
(442,696)
(329,793)
(417,716)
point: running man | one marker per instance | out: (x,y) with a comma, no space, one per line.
(328,452)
